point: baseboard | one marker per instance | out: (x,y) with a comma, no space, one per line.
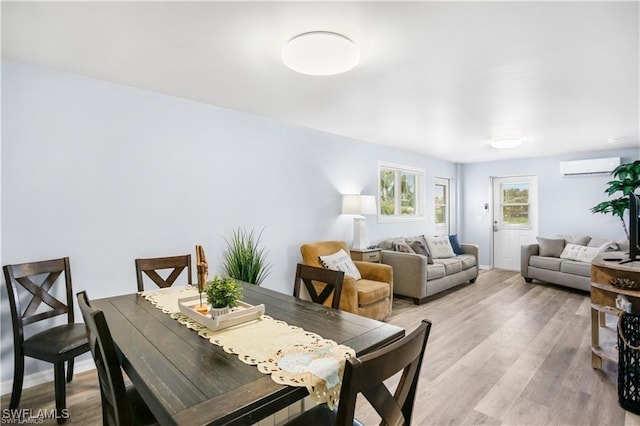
(41,377)
(485,267)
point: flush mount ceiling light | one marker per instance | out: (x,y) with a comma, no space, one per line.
(320,53)
(506,143)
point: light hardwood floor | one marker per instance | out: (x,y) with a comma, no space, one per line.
(501,351)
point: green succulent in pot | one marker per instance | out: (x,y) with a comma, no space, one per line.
(223,292)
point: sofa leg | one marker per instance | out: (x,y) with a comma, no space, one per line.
(529,280)
(472,280)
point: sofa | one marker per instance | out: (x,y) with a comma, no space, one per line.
(418,274)
(370,295)
(564,260)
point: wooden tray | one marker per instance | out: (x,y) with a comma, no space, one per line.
(242,313)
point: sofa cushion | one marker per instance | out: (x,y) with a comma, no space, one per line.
(576,268)
(435,271)
(550,263)
(581,240)
(371,291)
(604,244)
(452,265)
(550,247)
(440,247)
(340,261)
(468,261)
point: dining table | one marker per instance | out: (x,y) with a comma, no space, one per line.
(186,380)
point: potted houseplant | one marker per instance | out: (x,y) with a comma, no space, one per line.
(244,260)
(222,294)
(627,180)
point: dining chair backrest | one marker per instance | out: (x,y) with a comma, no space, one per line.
(21,277)
(366,375)
(115,406)
(150,266)
(309,275)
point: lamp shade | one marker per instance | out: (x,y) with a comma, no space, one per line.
(359,204)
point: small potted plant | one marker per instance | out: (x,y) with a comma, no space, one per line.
(222,294)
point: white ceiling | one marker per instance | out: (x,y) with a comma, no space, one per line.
(439,78)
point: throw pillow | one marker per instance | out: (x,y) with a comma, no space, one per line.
(603,243)
(455,244)
(419,248)
(402,247)
(574,239)
(386,244)
(340,261)
(580,253)
(440,247)
(550,247)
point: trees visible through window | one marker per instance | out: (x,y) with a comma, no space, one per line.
(515,204)
(400,192)
(441,203)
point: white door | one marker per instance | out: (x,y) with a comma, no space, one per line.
(515,218)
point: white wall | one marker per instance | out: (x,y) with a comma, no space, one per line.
(564,202)
(105,173)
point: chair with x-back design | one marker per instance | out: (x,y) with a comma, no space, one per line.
(31,285)
(366,375)
(150,266)
(328,281)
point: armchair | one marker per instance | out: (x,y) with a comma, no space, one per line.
(370,296)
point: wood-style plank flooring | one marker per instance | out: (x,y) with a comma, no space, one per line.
(501,351)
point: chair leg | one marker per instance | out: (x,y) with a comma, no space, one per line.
(60,389)
(18,377)
(70,370)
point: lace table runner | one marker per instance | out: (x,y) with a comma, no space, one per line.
(291,355)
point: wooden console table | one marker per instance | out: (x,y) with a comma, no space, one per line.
(603,301)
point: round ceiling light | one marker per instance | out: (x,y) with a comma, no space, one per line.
(506,143)
(320,53)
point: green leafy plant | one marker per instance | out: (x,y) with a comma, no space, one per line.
(244,260)
(627,180)
(222,292)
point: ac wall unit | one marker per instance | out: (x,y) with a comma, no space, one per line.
(588,167)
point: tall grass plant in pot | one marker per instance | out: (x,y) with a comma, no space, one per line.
(244,259)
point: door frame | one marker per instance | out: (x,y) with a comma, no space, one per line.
(535,224)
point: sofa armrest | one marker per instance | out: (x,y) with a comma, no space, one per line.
(526,251)
(377,272)
(472,249)
(409,270)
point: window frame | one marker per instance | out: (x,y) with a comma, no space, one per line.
(509,225)
(398,170)
(445,227)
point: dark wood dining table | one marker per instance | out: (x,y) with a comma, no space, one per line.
(186,380)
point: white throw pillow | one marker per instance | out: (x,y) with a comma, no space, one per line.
(580,253)
(340,261)
(440,247)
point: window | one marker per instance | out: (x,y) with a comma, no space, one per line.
(400,193)
(515,204)
(442,210)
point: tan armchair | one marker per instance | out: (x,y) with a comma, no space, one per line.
(370,296)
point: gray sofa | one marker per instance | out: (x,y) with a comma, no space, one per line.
(414,277)
(549,267)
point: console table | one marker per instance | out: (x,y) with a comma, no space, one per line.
(604,268)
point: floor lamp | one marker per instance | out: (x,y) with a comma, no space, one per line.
(359,205)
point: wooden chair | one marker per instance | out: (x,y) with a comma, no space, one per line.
(150,266)
(331,279)
(120,405)
(58,344)
(366,375)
